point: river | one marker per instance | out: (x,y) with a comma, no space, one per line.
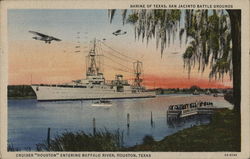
(28,120)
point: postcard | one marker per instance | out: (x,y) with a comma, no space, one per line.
(124,79)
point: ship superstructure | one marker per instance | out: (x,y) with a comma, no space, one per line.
(94,86)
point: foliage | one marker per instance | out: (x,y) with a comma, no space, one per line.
(211,42)
(159,24)
(11,148)
(193,88)
(15,91)
(81,141)
(219,68)
(148,139)
(229,97)
(207,31)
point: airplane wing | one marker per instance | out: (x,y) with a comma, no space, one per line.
(53,38)
(39,34)
(118,31)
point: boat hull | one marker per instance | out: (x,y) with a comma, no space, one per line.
(48,93)
(101,105)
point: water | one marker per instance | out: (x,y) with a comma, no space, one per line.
(28,120)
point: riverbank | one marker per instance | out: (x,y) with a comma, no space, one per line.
(222,134)
(20,92)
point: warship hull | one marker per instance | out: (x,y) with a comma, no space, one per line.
(54,93)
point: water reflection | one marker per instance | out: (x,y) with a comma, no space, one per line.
(196,120)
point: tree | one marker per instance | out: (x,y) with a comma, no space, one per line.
(194,88)
(214,38)
(235,19)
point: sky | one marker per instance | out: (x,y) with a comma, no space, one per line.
(32,61)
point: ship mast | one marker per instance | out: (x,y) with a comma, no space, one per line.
(92,68)
(138,72)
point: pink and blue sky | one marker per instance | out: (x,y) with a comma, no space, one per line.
(33,61)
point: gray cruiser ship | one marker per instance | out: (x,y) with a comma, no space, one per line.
(95,86)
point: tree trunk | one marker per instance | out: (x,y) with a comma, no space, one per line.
(235,18)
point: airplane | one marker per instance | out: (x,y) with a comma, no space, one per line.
(44,37)
(119,32)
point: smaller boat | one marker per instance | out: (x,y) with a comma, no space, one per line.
(102,103)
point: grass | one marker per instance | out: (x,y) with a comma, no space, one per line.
(11,148)
(81,141)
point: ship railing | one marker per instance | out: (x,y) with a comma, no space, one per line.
(174,111)
(60,85)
